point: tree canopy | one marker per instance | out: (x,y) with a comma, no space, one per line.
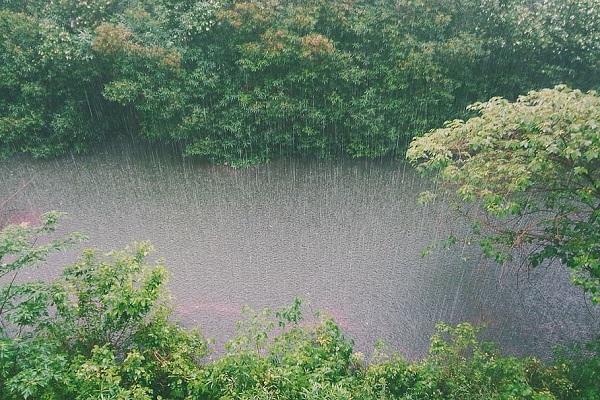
(244,81)
(533,167)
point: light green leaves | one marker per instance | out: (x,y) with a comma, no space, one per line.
(533,167)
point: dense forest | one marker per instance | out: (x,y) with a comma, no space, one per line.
(242,82)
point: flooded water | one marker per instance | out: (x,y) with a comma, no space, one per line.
(346,236)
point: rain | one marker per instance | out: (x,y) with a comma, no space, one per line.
(346,236)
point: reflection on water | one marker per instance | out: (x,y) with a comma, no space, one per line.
(346,236)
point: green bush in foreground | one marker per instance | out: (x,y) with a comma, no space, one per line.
(103,330)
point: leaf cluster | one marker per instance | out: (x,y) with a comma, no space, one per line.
(533,167)
(100,330)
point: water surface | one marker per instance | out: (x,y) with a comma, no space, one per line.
(346,236)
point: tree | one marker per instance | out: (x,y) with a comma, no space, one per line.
(41,111)
(100,330)
(18,252)
(533,168)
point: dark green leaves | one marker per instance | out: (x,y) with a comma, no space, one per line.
(246,81)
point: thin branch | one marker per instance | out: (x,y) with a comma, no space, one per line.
(5,202)
(7,297)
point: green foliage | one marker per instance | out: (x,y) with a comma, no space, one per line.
(100,330)
(460,366)
(101,301)
(572,41)
(534,168)
(298,359)
(245,81)
(575,371)
(103,330)
(23,303)
(41,111)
